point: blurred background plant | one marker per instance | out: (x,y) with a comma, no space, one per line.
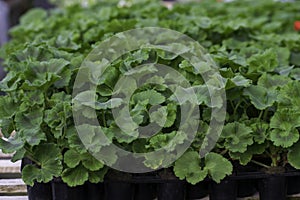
(10,12)
(72,2)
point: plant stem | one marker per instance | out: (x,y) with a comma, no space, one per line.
(274,155)
(30,155)
(224,152)
(260,164)
(236,107)
(265,115)
(261,114)
(103,119)
(32,159)
(274,161)
(232,105)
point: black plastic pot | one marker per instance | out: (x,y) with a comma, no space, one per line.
(118,190)
(40,191)
(272,187)
(246,188)
(171,191)
(61,191)
(226,190)
(197,191)
(293,185)
(145,191)
(94,191)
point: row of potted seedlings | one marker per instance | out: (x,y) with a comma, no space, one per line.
(256,49)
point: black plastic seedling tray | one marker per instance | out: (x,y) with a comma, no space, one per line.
(151,186)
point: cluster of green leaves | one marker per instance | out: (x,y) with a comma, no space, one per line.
(253,43)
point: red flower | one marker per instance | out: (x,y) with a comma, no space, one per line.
(297,25)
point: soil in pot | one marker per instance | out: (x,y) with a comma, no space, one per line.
(226,190)
(61,191)
(272,187)
(198,191)
(145,191)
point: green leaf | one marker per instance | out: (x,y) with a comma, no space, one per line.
(284,138)
(141,70)
(218,167)
(49,165)
(74,140)
(41,81)
(260,130)
(272,81)
(110,104)
(11,144)
(28,125)
(55,66)
(293,155)
(159,116)
(199,94)
(139,114)
(295,74)
(91,163)
(237,137)
(168,141)
(34,15)
(136,58)
(56,118)
(190,95)
(284,125)
(109,77)
(10,82)
(171,115)
(237,81)
(128,125)
(260,97)
(65,78)
(8,108)
(19,155)
(97,176)
(67,40)
(75,176)
(295,58)
(153,97)
(283,55)
(162,160)
(86,98)
(32,98)
(266,61)
(292,89)
(122,137)
(188,167)
(72,158)
(93,137)
(246,156)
